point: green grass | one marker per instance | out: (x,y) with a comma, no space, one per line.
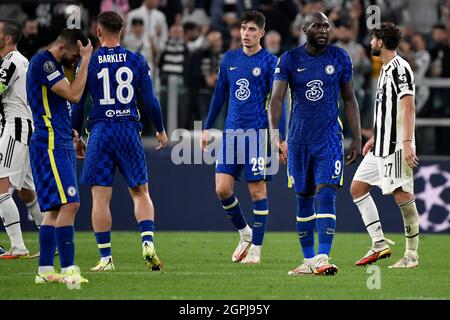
(197,265)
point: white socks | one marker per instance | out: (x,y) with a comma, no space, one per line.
(411,222)
(11,221)
(369,214)
(35,212)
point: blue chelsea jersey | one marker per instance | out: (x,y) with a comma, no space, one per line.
(315,83)
(247,82)
(51,113)
(115,78)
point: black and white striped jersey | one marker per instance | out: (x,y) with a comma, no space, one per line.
(396,80)
(15,114)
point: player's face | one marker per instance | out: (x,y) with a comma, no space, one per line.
(251,34)
(70,56)
(375,46)
(318,33)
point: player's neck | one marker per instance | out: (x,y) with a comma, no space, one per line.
(110,43)
(387,56)
(55,53)
(7,50)
(252,50)
(313,50)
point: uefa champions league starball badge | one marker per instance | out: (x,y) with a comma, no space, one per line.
(329,69)
(256,71)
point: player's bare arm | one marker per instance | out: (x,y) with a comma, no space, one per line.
(352,114)
(409,114)
(275,110)
(73,91)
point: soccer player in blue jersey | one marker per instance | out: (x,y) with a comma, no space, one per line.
(245,80)
(52,154)
(116,78)
(316,73)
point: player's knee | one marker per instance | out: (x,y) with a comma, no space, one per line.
(401,196)
(257,192)
(26,195)
(223,192)
(358,189)
(139,191)
(326,197)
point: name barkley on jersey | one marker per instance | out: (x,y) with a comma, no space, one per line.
(112,58)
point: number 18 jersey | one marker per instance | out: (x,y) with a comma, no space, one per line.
(115,77)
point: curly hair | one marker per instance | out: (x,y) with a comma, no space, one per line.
(389,33)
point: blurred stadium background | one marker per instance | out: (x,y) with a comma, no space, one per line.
(183,42)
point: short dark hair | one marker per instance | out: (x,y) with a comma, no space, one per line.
(69,37)
(137,21)
(389,33)
(110,20)
(189,26)
(440,26)
(254,16)
(10,28)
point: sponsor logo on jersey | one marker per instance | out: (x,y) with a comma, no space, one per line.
(118,113)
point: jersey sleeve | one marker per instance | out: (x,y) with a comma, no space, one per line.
(149,99)
(347,67)
(47,72)
(403,80)
(282,69)
(282,124)
(8,74)
(220,95)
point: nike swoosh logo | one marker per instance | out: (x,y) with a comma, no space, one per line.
(300,70)
(334,177)
(232,68)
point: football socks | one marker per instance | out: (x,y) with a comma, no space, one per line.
(306,221)
(326,218)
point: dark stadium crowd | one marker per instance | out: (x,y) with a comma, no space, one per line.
(184,40)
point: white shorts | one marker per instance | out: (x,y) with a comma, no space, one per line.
(15,162)
(388,173)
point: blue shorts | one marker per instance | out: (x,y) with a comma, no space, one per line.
(312,164)
(249,151)
(111,145)
(55,177)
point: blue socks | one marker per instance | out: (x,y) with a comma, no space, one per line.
(234,212)
(47,242)
(306,221)
(104,243)
(260,213)
(146,228)
(65,244)
(326,218)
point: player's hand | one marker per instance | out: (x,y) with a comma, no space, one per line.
(80,149)
(162,140)
(368,146)
(354,152)
(79,145)
(204,140)
(283,152)
(85,51)
(410,155)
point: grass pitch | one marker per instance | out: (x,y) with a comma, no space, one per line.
(197,265)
